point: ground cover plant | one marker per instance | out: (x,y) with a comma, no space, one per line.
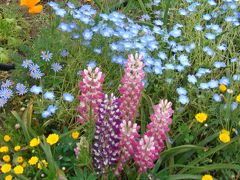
(121,90)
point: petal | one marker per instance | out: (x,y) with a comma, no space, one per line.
(30,3)
(23,3)
(35,9)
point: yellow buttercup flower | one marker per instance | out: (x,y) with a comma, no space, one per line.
(17,148)
(6,158)
(238,98)
(75,135)
(33,160)
(18,169)
(4,149)
(201,117)
(43,162)
(223,88)
(8,177)
(52,139)
(34,142)
(7,138)
(207,177)
(224,136)
(6,168)
(19,159)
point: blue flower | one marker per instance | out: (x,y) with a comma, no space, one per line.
(46,114)
(3,101)
(68,97)
(49,95)
(204,86)
(183,12)
(219,64)
(157,69)
(64,53)
(192,79)
(183,99)
(184,60)
(21,89)
(64,27)
(198,27)
(34,67)
(36,89)
(87,35)
(222,47)
(36,74)
(6,93)
(56,67)
(181,91)
(207,17)
(234,106)
(26,63)
(209,51)
(236,77)
(210,36)
(60,12)
(162,55)
(52,109)
(6,84)
(224,80)
(46,55)
(92,64)
(213,84)
(175,33)
(217,98)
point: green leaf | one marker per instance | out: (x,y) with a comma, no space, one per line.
(214,167)
(208,153)
(142,6)
(184,176)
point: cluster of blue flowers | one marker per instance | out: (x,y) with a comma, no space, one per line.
(6,91)
(126,36)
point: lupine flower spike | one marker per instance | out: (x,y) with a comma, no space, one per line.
(131,86)
(91,93)
(152,142)
(106,138)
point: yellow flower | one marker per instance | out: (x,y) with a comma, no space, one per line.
(7,138)
(201,117)
(17,148)
(43,162)
(8,177)
(19,159)
(6,168)
(238,98)
(75,135)
(224,136)
(4,149)
(52,139)
(223,88)
(6,158)
(34,142)
(18,169)
(33,160)
(207,177)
